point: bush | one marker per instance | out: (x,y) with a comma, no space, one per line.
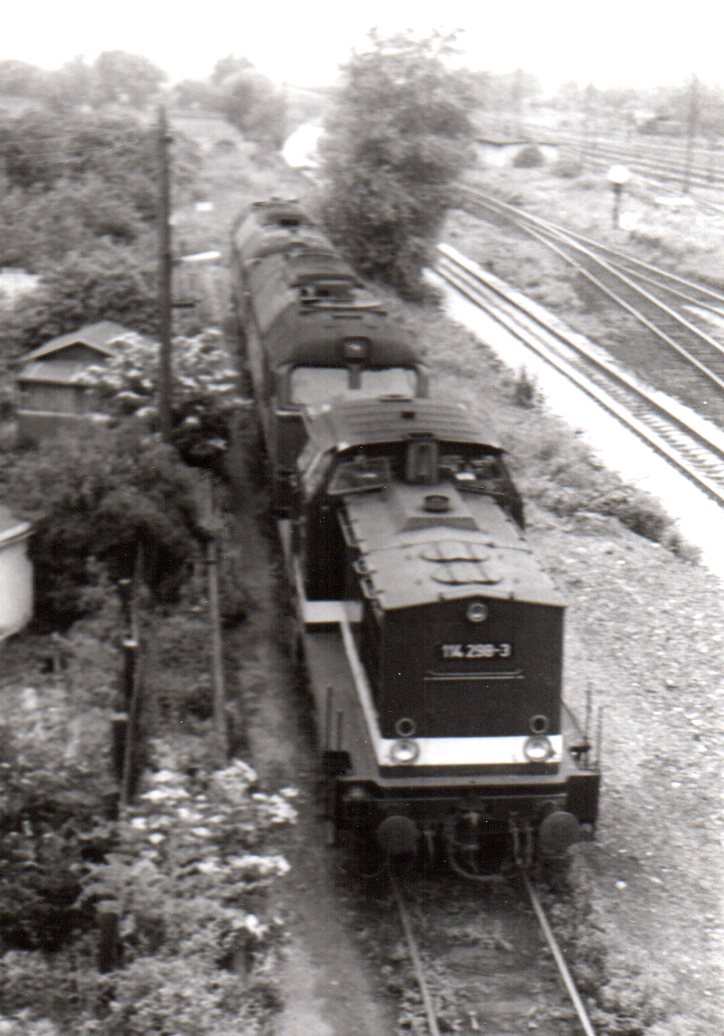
(524,391)
(116,499)
(186,875)
(529,157)
(205,392)
(568,167)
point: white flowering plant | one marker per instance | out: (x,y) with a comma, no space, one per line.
(189,862)
(204,389)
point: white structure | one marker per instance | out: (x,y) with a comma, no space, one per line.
(16,574)
(301,148)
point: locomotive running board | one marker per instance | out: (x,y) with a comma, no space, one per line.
(315,614)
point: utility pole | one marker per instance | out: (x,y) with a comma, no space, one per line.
(518,101)
(691,130)
(164,279)
(211,526)
(589,124)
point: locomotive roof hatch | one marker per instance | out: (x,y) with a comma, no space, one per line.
(304,265)
(263,217)
(268,210)
(301,280)
(264,241)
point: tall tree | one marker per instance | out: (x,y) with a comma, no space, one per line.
(125,79)
(396,142)
(249,101)
(22,79)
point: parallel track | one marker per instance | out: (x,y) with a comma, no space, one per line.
(666,169)
(648,293)
(424,985)
(657,160)
(683,446)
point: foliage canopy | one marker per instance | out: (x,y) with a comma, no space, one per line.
(78,204)
(115,77)
(395,144)
(243,96)
(101,499)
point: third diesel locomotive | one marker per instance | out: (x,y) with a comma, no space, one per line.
(312,330)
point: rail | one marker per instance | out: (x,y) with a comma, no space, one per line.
(558,957)
(694,345)
(684,445)
(416,959)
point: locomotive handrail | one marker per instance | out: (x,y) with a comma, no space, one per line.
(367,588)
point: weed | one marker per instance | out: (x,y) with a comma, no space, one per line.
(568,167)
(525,389)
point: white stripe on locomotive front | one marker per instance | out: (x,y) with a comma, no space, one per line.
(437,751)
(468,751)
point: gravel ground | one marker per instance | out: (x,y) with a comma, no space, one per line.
(645,630)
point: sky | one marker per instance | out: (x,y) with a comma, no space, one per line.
(608,42)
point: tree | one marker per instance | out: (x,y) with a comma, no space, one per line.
(72,85)
(22,79)
(99,499)
(101,282)
(121,78)
(249,101)
(396,142)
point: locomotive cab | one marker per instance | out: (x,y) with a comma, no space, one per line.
(407,520)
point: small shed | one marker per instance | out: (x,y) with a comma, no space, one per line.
(16,574)
(53,393)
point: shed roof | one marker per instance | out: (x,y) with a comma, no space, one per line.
(95,336)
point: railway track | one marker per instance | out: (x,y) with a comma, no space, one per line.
(667,167)
(670,307)
(508,943)
(675,181)
(673,168)
(686,446)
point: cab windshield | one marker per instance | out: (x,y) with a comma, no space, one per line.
(314,385)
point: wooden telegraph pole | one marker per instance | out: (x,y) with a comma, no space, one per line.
(164,278)
(691,130)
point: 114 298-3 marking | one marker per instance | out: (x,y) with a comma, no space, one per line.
(456,651)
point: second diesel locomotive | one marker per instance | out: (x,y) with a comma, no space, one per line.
(433,641)
(312,331)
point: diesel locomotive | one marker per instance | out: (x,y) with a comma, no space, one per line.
(311,330)
(432,641)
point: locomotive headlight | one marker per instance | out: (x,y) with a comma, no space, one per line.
(477,612)
(404,751)
(538,748)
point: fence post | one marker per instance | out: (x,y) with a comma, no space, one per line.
(109,942)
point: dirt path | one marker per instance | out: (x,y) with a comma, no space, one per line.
(329,988)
